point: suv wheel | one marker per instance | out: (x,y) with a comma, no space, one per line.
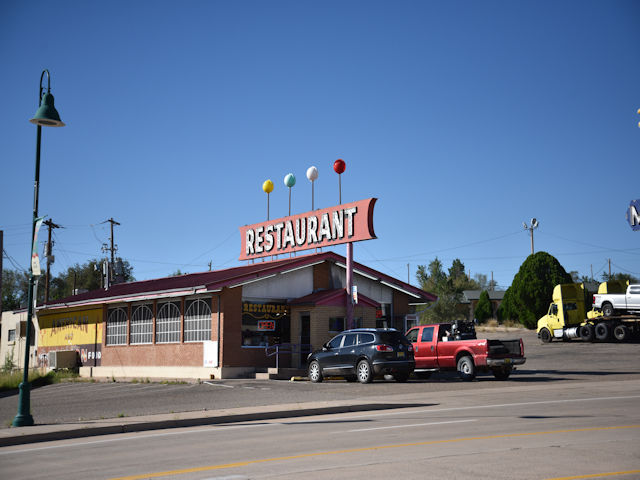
(315,374)
(363,370)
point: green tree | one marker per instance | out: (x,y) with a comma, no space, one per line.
(619,276)
(527,299)
(448,288)
(483,310)
(15,286)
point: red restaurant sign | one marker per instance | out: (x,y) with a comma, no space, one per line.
(350,222)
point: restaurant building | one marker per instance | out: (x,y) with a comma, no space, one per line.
(225,323)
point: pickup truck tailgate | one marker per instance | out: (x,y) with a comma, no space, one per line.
(505,348)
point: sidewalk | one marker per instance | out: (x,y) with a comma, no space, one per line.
(63,431)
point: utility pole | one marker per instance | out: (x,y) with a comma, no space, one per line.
(492,287)
(48,252)
(609,269)
(113,248)
(408,275)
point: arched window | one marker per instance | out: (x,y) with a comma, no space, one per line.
(141,325)
(168,323)
(117,326)
(197,320)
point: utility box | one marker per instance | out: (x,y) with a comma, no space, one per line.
(63,359)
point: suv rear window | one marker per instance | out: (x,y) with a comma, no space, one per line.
(365,338)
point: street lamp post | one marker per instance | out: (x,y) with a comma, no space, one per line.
(534,225)
(47,116)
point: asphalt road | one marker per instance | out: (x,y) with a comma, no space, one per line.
(570,412)
(555,363)
(588,429)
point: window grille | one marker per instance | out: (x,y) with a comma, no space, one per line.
(117,326)
(141,325)
(197,320)
(168,323)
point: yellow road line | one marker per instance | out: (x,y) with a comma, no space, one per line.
(366,449)
(596,475)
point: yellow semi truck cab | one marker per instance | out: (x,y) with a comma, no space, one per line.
(566,313)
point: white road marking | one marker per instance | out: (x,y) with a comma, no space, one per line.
(213,384)
(501,405)
(408,426)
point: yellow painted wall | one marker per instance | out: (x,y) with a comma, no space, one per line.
(70,328)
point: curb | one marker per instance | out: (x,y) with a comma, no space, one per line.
(83,430)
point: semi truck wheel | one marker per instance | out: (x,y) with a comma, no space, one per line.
(545,336)
(586,333)
(621,333)
(466,368)
(602,332)
(607,310)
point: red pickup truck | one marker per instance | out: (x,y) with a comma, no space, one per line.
(446,346)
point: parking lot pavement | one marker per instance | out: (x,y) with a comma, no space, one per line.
(77,403)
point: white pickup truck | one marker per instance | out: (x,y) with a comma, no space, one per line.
(612,303)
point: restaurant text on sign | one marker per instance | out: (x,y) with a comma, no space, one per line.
(351,222)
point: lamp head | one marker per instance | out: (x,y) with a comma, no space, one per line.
(47,115)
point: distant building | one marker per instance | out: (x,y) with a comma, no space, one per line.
(471,297)
(13,339)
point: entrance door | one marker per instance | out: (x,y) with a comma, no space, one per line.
(305,337)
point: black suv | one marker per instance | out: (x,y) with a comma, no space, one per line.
(363,353)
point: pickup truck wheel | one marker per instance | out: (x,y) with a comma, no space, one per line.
(545,336)
(602,332)
(621,333)
(466,368)
(315,373)
(586,333)
(607,310)
(363,370)
(502,373)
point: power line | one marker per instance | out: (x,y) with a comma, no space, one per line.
(13,261)
(607,249)
(422,254)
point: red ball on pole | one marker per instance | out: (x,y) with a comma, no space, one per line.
(339,166)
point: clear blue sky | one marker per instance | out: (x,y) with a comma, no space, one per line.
(464,118)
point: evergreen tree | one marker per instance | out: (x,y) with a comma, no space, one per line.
(483,310)
(527,299)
